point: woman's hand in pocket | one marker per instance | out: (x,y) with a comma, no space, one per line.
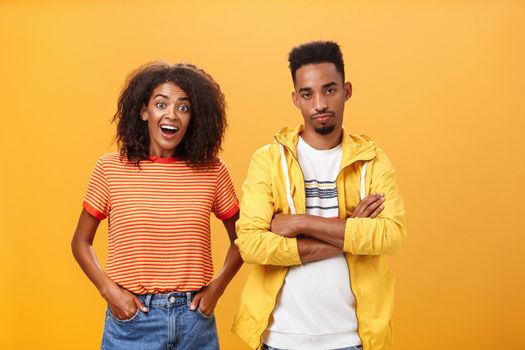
(206,299)
(123,304)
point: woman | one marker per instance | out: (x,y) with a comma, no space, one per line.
(158,193)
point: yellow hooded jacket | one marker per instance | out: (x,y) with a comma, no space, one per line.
(366,240)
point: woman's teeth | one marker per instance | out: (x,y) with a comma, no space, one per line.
(169,129)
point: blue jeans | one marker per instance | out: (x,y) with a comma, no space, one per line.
(358,347)
(168,325)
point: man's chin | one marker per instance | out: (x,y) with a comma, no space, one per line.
(325,130)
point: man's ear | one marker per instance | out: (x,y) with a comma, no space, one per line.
(348,90)
(295,99)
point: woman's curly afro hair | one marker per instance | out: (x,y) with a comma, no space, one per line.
(205,133)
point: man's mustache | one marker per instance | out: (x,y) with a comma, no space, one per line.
(324,113)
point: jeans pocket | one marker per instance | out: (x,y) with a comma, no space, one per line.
(203,315)
(132,318)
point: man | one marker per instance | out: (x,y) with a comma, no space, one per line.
(320,278)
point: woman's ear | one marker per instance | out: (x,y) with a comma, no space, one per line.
(144,113)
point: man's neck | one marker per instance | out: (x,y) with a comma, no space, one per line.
(322,142)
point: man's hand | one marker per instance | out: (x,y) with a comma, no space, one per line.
(286,225)
(370,207)
(123,304)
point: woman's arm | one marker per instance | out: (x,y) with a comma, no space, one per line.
(122,303)
(206,299)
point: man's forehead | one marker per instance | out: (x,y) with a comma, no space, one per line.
(317,75)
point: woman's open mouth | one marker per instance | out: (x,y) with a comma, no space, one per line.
(168,130)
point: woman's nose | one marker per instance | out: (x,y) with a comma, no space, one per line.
(171,113)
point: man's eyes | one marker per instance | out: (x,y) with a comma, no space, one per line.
(329,91)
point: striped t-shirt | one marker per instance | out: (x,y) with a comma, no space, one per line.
(159,220)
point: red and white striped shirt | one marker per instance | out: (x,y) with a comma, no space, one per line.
(159,220)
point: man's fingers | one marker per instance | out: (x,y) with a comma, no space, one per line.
(371,208)
(359,211)
(356,211)
(368,207)
(377,212)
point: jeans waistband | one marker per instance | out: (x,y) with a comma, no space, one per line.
(167,300)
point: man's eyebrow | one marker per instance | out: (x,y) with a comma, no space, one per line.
(329,84)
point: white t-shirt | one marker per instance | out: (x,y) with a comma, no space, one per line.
(316,307)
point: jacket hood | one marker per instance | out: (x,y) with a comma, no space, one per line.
(355,147)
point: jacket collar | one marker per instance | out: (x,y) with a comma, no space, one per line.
(355,148)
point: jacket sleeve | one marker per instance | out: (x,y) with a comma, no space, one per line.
(385,234)
(257,244)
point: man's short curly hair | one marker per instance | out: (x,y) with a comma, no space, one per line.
(316,52)
(205,133)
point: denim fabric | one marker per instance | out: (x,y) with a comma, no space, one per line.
(168,325)
(359,347)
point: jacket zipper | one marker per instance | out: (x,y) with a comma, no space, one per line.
(304,210)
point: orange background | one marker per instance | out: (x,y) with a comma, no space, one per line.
(440,85)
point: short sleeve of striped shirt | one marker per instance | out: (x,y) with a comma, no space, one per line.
(225,203)
(97,200)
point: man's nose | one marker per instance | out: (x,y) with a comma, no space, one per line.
(321,103)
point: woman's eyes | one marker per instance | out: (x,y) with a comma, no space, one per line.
(182,108)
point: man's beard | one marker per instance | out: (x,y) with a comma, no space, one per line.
(325,130)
